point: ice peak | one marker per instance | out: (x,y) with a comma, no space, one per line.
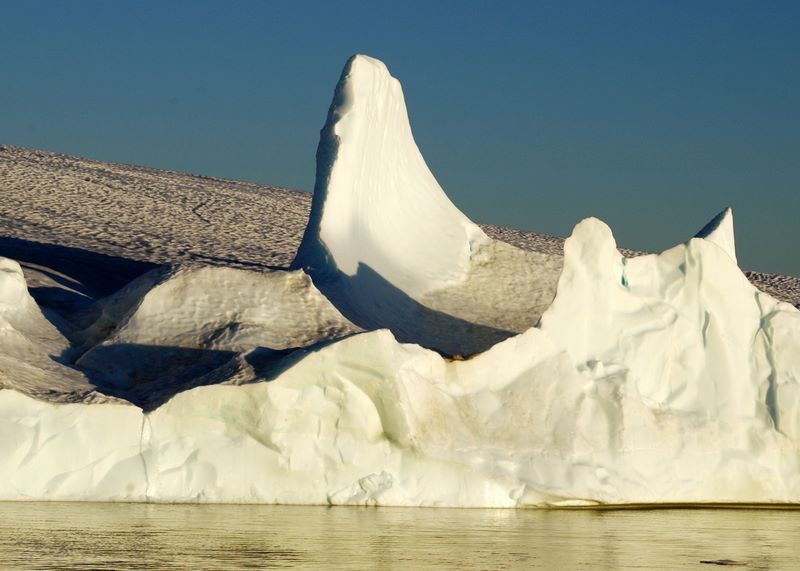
(719,230)
(387,246)
(376,204)
(363,62)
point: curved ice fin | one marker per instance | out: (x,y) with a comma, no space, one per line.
(389,249)
(720,231)
(376,204)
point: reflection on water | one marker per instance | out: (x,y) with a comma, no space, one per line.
(149,536)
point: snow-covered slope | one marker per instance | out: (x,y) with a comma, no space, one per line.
(95,225)
(217,308)
(387,246)
(175,328)
(33,352)
(171,329)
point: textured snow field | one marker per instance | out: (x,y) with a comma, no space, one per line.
(161,217)
(593,378)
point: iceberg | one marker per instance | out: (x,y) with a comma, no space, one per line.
(592,378)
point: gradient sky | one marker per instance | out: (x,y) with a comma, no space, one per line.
(650,115)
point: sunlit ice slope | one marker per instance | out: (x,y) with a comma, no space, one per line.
(389,248)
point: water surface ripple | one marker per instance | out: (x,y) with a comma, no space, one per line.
(152,536)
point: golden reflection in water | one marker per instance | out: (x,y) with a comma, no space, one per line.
(151,536)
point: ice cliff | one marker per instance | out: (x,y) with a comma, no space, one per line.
(595,378)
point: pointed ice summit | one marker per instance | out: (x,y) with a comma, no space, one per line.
(390,249)
(720,231)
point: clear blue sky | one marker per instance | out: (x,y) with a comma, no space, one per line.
(650,115)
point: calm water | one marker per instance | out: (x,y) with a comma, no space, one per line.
(147,536)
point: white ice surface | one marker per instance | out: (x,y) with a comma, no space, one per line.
(175,328)
(32,349)
(387,246)
(375,188)
(168,321)
(25,329)
(218,308)
(171,329)
(663,378)
(720,231)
